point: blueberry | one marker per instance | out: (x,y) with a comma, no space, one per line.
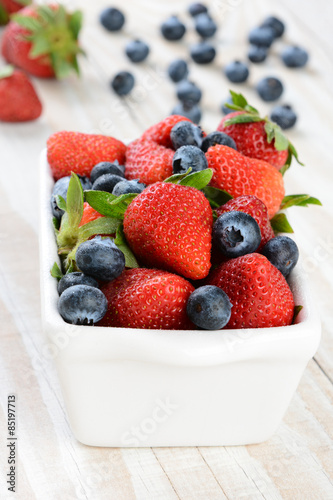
(186,134)
(202,53)
(127,187)
(60,188)
(263,37)
(137,50)
(283,253)
(209,307)
(82,305)
(236,233)
(75,278)
(197,8)
(100,258)
(173,29)
(189,156)
(284,116)
(224,108)
(270,89)
(205,25)
(106,167)
(257,54)
(294,57)
(112,19)
(236,72)
(178,70)
(106,182)
(192,112)
(217,138)
(123,83)
(188,92)
(275,24)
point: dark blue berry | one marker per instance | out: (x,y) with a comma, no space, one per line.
(112,19)
(106,182)
(197,8)
(60,188)
(270,89)
(173,29)
(257,54)
(209,307)
(186,157)
(192,112)
(100,258)
(284,116)
(283,253)
(205,25)
(236,234)
(137,50)
(82,305)
(127,187)
(188,92)
(224,108)
(107,167)
(75,278)
(178,70)
(123,83)
(236,72)
(295,57)
(186,134)
(217,138)
(202,53)
(263,37)
(275,24)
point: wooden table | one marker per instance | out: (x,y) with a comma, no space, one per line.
(295,464)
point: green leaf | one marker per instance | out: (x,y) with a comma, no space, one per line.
(29,23)
(294,153)
(61,66)
(56,225)
(238,99)
(75,23)
(100,201)
(74,203)
(269,129)
(297,310)
(103,225)
(245,118)
(4,17)
(120,204)
(40,46)
(6,71)
(46,13)
(175,178)
(56,272)
(281,143)
(61,202)
(301,200)
(280,224)
(120,241)
(198,180)
(216,197)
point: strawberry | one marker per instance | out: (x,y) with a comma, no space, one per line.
(148,161)
(19,101)
(77,152)
(169,226)
(258,292)
(160,133)
(12,6)
(43,40)
(256,208)
(147,298)
(89,214)
(239,175)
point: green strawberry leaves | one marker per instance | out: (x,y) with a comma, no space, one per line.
(108,204)
(197,180)
(56,272)
(6,71)
(120,241)
(216,197)
(279,222)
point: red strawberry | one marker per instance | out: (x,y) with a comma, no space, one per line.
(147,298)
(19,101)
(238,175)
(259,294)
(256,208)
(169,226)
(77,152)
(43,40)
(160,132)
(148,161)
(89,214)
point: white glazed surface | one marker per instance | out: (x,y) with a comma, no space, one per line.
(128,387)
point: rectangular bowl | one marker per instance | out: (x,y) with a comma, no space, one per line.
(129,387)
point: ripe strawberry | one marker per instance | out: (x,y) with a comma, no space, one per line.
(19,101)
(147,298)
(258,292)
(169,226)
(148,161)
(89,214)
(77,152)
(160,132)
(43,40)
(239,175)
(12,6)
(256,208)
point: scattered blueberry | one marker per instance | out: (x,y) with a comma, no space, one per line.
(275,24)
(217,138)
(209,307)
(82,305)
(263,37)
(257,54)
(123,83)
(270,89)
(283,253)
(294,57)
(188,92)
(236,72)
(106,167)
(186,134)
(236,233)
(75,278)
(137,50)
(197,8)
(100,258)
(127,187)
(112,19)
(284,116)
(106,182)
(60,188)
(205,25)
(224,108)
(192,112)
(188,156)
(178,70)
(202,53)
(173,29)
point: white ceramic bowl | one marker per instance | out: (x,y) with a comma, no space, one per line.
(129,387)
